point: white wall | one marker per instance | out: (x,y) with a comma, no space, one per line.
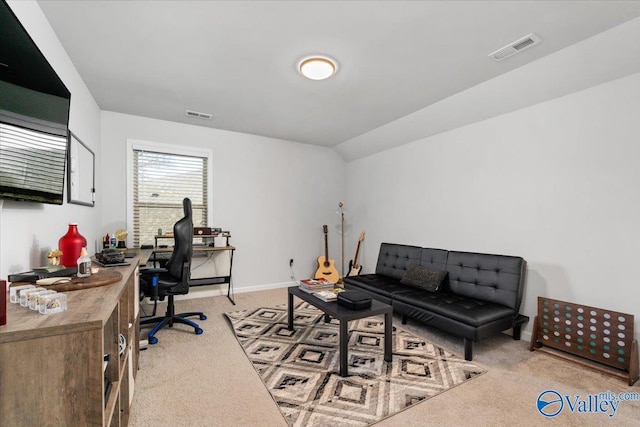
(556,183)
(29,230)
(273,195)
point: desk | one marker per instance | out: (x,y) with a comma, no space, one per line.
(209,280)
(206,238)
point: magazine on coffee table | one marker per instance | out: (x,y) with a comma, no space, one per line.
(315,285)
(312,283)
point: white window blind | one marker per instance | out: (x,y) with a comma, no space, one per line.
(160,182)
(31,164)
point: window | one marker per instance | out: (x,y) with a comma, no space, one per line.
(160,180)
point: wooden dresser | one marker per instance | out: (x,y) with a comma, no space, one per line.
(51,366)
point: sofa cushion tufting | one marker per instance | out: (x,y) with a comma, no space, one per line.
(423,277)
(394,259)
(492,278)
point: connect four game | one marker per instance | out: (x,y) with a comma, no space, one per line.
(596,334)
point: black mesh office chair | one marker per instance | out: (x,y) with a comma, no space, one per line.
(173,279)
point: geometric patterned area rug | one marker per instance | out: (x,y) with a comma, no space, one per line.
(300,368)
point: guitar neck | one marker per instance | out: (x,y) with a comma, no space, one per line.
(326,246)
(355,258)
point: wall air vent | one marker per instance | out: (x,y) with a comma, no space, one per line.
(198,115)
(515,47)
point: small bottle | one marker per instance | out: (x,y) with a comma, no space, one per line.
(84,264)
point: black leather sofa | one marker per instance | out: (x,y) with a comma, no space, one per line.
(480,295)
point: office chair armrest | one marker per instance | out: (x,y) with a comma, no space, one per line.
(150,276)
(148,271)
(154,288)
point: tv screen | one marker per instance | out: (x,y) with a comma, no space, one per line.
(34,118)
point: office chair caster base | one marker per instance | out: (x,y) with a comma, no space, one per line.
(199,331)
(200,314)
(153,340)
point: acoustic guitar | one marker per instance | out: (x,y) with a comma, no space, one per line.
(354,267)
(326,267)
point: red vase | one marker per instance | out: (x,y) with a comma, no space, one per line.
(71,244)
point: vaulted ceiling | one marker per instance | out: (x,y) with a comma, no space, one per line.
(237,60)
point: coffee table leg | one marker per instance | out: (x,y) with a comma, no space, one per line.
(388,335)
(344,337)
(290,317)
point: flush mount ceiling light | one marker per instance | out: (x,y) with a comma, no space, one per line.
(317,67)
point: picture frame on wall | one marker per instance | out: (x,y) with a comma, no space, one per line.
(81,164)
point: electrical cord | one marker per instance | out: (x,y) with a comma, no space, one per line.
(209,257)
(292,274)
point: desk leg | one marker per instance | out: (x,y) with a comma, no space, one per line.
(230,288)
(344,338)
(388,336)
(290,312)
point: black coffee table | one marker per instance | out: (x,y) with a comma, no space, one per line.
(344,314)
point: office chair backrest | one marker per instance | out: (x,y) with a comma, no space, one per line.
(183,243)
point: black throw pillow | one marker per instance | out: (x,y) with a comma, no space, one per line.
(423,277)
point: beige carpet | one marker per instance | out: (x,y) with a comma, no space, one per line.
(300,368)
(206,380)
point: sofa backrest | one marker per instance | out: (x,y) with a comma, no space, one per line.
(493,278)
(394,259)
(435,259)
(486,277)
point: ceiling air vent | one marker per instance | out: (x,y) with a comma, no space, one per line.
(198,115)
(515,47)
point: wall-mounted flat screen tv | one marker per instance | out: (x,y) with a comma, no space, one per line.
(34,118)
